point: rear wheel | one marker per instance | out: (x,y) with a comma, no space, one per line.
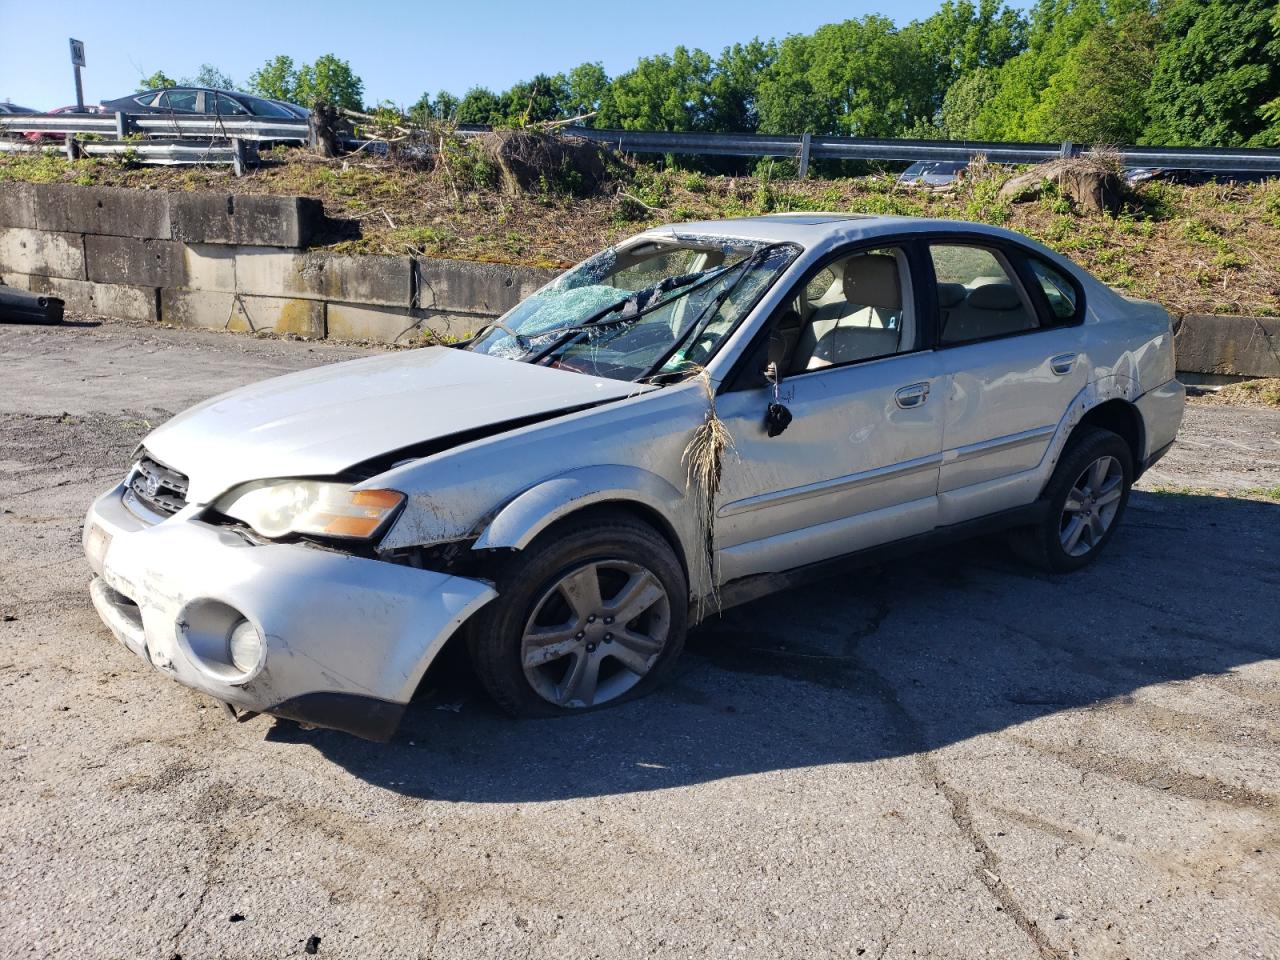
(592,613)
(1085,500)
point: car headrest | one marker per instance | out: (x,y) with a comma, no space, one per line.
(872,281)
(995,296)
(950,294)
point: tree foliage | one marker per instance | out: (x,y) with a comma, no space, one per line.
(209,76)
(1218,75)
(329,79)
(1204,72)
(157,81)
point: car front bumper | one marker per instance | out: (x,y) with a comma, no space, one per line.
(346,639)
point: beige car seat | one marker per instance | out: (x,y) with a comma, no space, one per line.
(991,308)
(866,323)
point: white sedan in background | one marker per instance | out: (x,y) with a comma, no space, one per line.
(692,418)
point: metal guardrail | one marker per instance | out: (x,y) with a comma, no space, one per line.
(804,148)
(168,152)
(121,125)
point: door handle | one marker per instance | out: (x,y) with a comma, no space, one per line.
(912,395)
(1062,363)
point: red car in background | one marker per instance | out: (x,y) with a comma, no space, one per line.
(35,137)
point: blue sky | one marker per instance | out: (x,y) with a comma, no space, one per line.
(400,49)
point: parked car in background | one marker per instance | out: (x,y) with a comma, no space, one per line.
(7,107)
(933,173)
(37,137)
(1136,175)
(549,493)
(202,100)
(302,113)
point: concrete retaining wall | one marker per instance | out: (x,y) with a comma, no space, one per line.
(237,263)
(1228,346)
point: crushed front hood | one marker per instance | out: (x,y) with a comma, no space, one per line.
(319,422)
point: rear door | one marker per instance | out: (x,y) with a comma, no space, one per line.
(858,463)
(1011,347)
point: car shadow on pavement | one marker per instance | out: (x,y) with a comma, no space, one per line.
(875,663)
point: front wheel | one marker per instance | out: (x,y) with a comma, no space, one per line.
(592,613)
(1084,501)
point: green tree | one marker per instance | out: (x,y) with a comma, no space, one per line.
(329,80)
(479,105)
(1055,28)
(209,76)
(963,37)
(1218,75)
(786,100)
(443,107)
(1270,135)
(735,81)
(534,101)
(661,93)
(587,85)
(157,81)
(962,107)
(276,79)
(862,78)
(1098,95)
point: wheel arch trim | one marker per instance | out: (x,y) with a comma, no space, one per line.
(1093,396)
(517,523)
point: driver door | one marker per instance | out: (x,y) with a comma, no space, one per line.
(858,464)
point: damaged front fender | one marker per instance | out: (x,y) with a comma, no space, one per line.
(533,511)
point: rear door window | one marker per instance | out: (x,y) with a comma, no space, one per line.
(183,101)
(979,296)
(226,106)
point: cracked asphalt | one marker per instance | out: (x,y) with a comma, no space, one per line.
(949,756)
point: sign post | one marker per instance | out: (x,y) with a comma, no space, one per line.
(77,61)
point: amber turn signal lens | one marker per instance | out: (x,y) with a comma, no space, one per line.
(379,499)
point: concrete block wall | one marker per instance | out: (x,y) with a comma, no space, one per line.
(220,261)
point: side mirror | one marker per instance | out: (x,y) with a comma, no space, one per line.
(776,417)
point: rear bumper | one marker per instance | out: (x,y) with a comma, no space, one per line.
(1161,411)
(346,639)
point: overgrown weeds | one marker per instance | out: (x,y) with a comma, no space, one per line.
(1206,248)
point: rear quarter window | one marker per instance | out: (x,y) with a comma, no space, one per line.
(1059,291)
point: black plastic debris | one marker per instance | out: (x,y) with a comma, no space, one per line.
(18,306)
(313,944)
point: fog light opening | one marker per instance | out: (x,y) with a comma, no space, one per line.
(221,640)
(244,646)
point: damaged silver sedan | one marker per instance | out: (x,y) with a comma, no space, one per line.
(688,420)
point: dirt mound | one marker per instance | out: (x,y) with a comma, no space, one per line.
(536,159)
(1092,181)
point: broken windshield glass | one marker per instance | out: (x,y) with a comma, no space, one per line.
(657,306)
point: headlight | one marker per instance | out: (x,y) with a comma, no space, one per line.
(278,507)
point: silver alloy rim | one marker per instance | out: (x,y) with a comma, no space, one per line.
(595,633)
(1091,506)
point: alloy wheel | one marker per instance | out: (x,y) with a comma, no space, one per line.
(595,633)
(1091,506)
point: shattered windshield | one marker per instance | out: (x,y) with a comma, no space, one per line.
(660,306)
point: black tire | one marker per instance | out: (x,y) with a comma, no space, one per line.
(495,635)
(1041,545)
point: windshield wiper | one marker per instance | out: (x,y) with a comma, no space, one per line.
(712,308)
(641,303)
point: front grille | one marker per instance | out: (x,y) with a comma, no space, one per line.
(160,489)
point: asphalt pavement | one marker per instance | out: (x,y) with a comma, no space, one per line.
(948,756)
